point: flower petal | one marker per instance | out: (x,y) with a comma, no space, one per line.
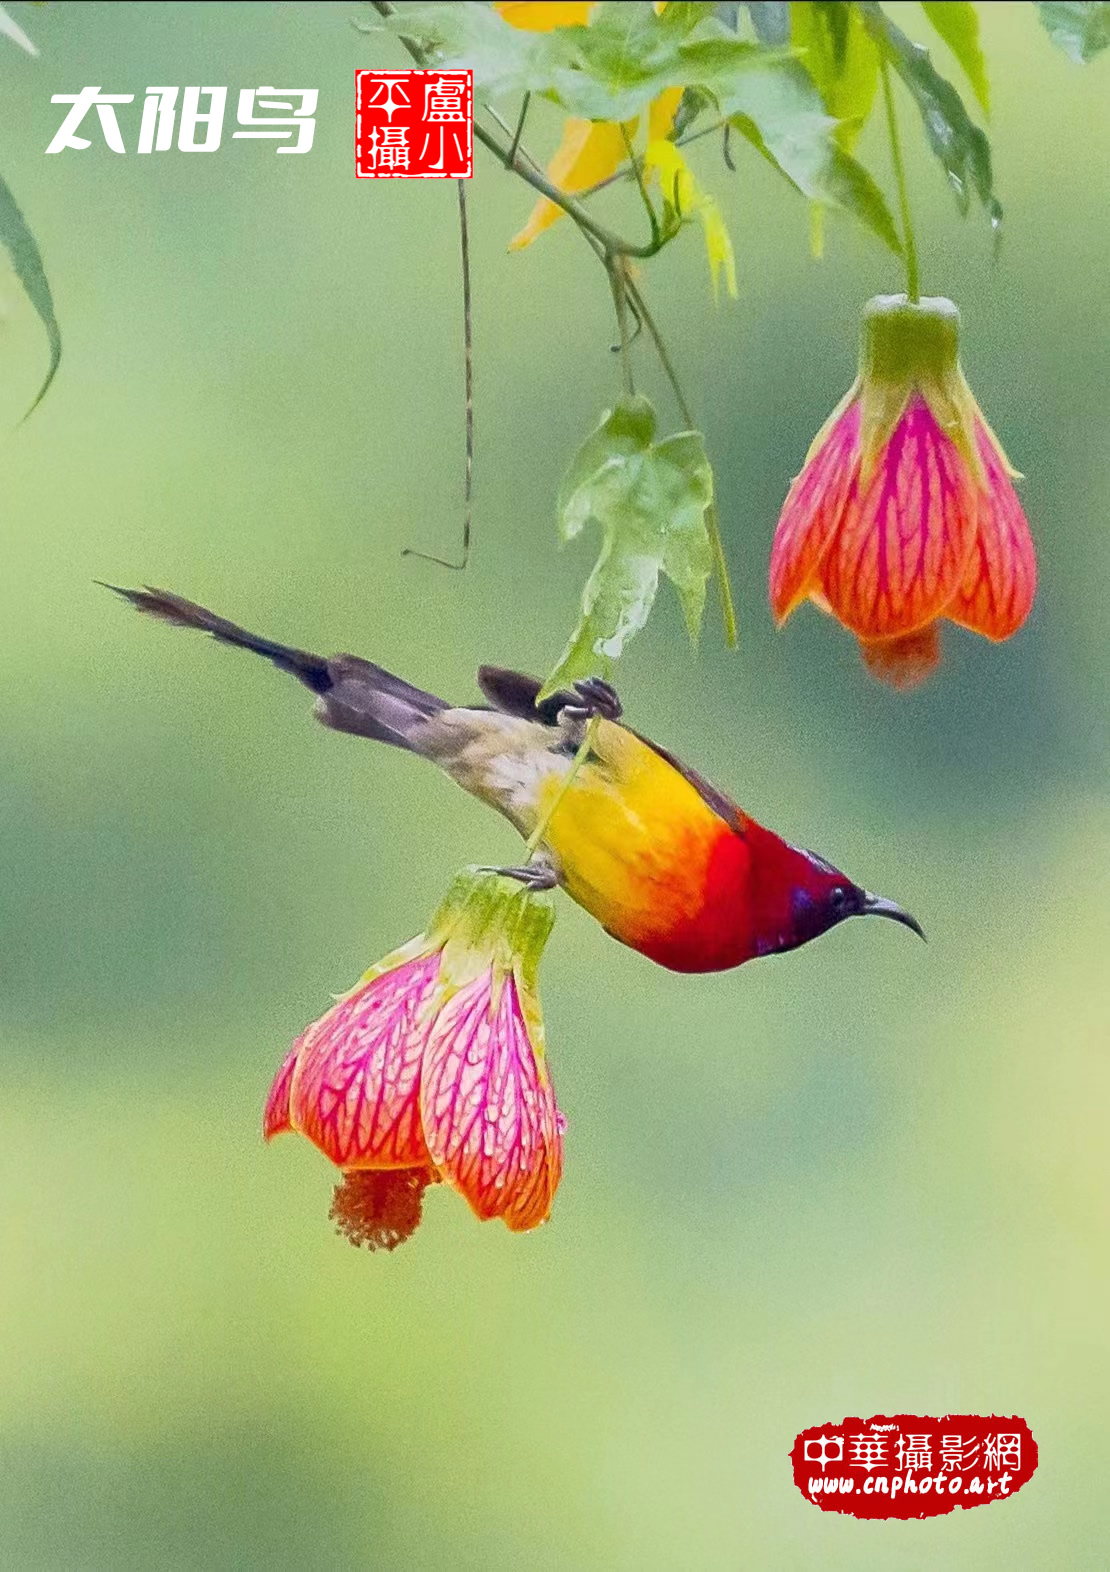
(998,586)
(488,1106)
(355,1092)
(906,534)
(275,1118)
(590,151)
(812,511)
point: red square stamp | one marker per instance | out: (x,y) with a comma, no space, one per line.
(414,125)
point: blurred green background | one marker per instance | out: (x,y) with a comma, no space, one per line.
(867,1176)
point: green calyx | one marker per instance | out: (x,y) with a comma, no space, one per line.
(489,921)
(909,347)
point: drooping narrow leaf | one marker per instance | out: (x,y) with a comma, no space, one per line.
(841,57)
(843,60)
(1082,31)
(27,261)
(960,145)
(777,107)
(649,500)
(957,22)
(684,198)
(11,29)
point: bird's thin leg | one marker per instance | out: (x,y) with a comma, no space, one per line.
(538,875)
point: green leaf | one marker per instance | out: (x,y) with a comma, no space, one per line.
(10,28)
(957,22)
(629,54)
(770,21)
(27,261)
(777,106)
(503,59)
(649,500)
(960,145)
(1081,31)
(610,70)
(843,60)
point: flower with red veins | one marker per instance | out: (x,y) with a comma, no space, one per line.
(433,1069)
(905,512)
(490,1119)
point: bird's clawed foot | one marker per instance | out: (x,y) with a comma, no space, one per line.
(538,875)
(598,697)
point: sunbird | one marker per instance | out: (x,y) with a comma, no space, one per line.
(667,864)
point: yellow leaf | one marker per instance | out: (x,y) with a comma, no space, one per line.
(679,187)
(539,16)
(683,193)
(662,112)
(591,150)
(718,246)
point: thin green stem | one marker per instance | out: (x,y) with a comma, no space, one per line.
(533,163)
(618,282)
(468,373)
(712,518)
(909,245)
(636,165)
(577,762)
(515,143)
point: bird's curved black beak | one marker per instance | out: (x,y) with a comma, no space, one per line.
(879,906)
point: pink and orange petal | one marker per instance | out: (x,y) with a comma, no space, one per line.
(1000,581)
(356,1086)
(275,1117)
(905,533)
(488,1107)
(811,513)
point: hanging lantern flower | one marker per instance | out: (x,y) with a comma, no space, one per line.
(433,1069)
(905,513)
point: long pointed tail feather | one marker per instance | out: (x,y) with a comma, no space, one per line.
(353,695)
(312,670)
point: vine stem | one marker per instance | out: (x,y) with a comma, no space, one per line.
(637,169)
(537,835)
(611,250)
(712,519)
(618,282)
(909,244)
(636,160)
(468,375)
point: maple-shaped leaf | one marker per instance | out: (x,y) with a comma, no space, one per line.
(649,500)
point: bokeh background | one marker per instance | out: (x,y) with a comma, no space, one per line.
(868,1176)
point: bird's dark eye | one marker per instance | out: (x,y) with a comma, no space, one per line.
(838,899)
